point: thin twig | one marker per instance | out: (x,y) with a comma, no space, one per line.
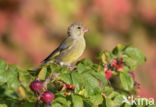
(37,95)
(52,76)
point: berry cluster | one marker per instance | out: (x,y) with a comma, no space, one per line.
(46,96)
(116,64)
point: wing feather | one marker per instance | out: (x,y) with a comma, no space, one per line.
(67,43)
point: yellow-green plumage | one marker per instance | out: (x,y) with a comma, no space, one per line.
(71,48)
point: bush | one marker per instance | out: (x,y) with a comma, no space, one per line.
(105,84)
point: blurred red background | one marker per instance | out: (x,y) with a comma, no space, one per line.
(31,29)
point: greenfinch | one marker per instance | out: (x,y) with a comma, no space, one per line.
(71,48)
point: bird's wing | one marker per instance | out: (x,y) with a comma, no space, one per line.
(67,43)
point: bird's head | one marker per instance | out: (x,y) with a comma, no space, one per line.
(77,29)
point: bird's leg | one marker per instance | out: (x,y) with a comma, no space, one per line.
(69,66)
(72,67)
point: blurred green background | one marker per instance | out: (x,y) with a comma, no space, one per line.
(31,29)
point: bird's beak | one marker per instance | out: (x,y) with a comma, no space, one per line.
(85,29)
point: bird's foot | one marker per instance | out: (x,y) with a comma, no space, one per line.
(72,67)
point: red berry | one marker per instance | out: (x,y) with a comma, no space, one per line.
(69,87)
(118,64)
(47,96)
(132,74)
(36,85)
(108,74)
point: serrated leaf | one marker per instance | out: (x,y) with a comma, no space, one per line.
(5,74)
(86,62)
(118,100)
(13,83)
(107,90)
(12,76)
(62,101)
(3,77)
(25,78)
(126,81)
(109,103)
(125,69)
(77,101)
(113,95)
(3,65)
(66,78)
(91,85)
(135,54)
(81,68)
(100,76)
(131,63)
(77,81)
(96,99)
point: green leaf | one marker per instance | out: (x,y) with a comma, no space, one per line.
(3,65)
(61,100)
(86,62)
(10,94)
(125,69)
(152,105)
(109,103)
(126,81)
(96,99)
(107,90)
(42,73)
(66,78)
(135,54)
(87,104)
(100,76)
(25,78)
(113,95)
(131,63)
(127,105)
(108,54)
(12,76)
(91,85)
(3,105)
(77,101)
(13,83)
(118,100)
(118,49)
(82,68)
(56,105)
(3,77)
(26,104)
(3,72)
(77,81)
(99,55)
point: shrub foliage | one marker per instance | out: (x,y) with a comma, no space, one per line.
(88,85)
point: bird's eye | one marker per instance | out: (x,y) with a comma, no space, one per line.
(78,27)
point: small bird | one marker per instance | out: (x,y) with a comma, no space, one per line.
(71,48)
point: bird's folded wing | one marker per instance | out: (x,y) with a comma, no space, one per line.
(65,45)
